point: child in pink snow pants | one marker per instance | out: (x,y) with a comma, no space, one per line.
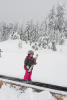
(29,61)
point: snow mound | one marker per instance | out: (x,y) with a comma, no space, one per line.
(9,93)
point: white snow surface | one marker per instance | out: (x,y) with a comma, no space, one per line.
(51,66)
(9,93)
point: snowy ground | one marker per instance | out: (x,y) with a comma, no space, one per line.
(51,68)
(10,93)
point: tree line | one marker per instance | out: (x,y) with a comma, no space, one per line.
(47,34)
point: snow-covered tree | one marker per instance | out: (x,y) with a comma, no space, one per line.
(27,31)
(52,27)
(14,34)
(4,31)
(31,32)
(60,22)
(65,28)
(43,36)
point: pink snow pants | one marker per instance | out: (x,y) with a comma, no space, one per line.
(27,75)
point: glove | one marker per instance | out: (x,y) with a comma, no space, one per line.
(34,63)
(27,67)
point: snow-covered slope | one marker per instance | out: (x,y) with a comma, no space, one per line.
(51,67)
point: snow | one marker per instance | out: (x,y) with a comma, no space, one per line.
(10,93)
(35,87)
(51,68)
(12,59)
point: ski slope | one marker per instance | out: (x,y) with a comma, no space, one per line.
(51,66)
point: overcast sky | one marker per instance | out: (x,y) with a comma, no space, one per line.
(20,10)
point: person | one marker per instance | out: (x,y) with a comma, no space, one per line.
(29,61)
(0,52)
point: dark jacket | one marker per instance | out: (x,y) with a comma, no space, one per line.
(29,61)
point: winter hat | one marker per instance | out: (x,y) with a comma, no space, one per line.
(30,52)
